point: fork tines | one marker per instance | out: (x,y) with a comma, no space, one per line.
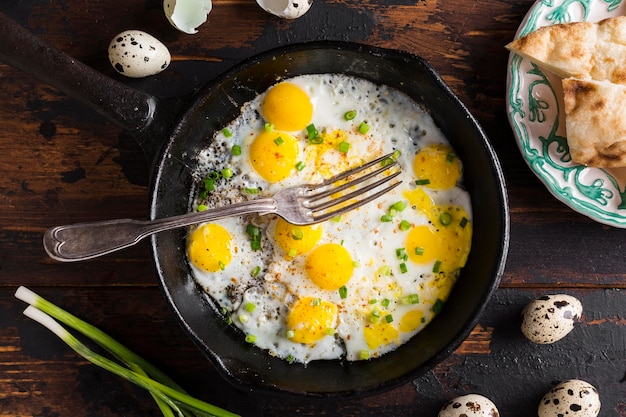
(317,202)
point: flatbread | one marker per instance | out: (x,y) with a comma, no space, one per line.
(595,122)
(578,49)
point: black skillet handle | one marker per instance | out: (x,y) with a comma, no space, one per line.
(139,113)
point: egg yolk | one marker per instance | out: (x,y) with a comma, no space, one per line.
(287,107)
(274,155)
(446,240)
(296,240)
(310,319)
(439,165)
(379,334)
(329,266)
(209,247)
(411,321)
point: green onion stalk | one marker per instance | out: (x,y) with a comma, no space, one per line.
(171,399)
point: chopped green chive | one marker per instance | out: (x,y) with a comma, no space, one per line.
(344,147)
(227,173)
(398,206)
(364,354)
(221,265)
(202,207)
(300,166)
(436,266)
(243,318)
(279,141)
(316,302)
(419,250)
(386,161)
(268,127)
(255,271)
(356,264)
(227,132)
(405,225)
(209,184)
(385,303)
(250,338)
(236,150)
(422,182)
(385,218)
(317,140)
(290,334)
(213,176)
(290,359)
(329,331)
(227,318)
(403,268)
(445,218)
(249,307)
(450,157)
(436,308)
(252,190)
(388,318)
(349,115)
(297,233)
(343,292)
(292,253)
(255,236)
(463,222)
(364,128)
(373,301)
(336,219)
(411,299)
(384,270)
(314,135)
(401,254)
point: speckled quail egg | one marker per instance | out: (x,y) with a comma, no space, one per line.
(550,318)
(287,9)
(570,398)
(137,54)
(470,405)
(187,15)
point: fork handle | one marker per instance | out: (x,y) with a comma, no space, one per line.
(81,241)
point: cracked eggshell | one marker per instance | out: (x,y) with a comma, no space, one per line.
(187,15)
(137,54)
(470,405)
(287,9)
(550,318)
(570,398)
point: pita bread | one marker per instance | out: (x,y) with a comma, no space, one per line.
(595,122)
(579,49)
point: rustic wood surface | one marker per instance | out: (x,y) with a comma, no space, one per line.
(61,163)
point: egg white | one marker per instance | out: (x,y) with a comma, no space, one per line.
(396,122)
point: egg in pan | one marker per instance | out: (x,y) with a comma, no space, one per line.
(359,285)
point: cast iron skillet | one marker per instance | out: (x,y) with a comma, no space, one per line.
(180,137)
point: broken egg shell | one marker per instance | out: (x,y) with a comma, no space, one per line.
(287,9)
(137,54)
(574,397)
(550,318)
(187,15)
(470,405)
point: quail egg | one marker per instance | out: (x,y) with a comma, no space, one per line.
(187,15)
(287,9)
(550,318)
(470,405)
(137,54)
(572,398)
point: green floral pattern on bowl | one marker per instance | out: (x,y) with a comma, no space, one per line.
(534,106)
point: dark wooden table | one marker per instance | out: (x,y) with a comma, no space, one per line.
(62,163)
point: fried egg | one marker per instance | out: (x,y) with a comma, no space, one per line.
(354,287)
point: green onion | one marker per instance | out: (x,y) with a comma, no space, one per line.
(405,225)
(385,303)
(250,338)
(364,354)
(419,250)
(255,271)
(297,233)
(316,302)
(373,301)
(411,299)
(249,307)
(336,219)
(279,141)
(445,218)
(399,206)
(227,132)
(349,115)
(386,218)
(422,182)
(292,253)
(227,318)
(236,150)
(436,308)
(243,318)
(317,140)
(290,334)
(227,173)
(403,268)
(314,135)
(388,318)
(386,161)
(300,166)
(221,265)
(329,331)
(401,254)
(169,396)
(384,270)
(344,147)
(269,127)
(463,222)
(202,207)
(343,292)
(209,184)
(252,190)
(450,157)
(255,236)
(436,266)
(364,128)
(214,176)
(396,154)
(290,358)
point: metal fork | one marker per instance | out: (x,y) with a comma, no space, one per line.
(299,205)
